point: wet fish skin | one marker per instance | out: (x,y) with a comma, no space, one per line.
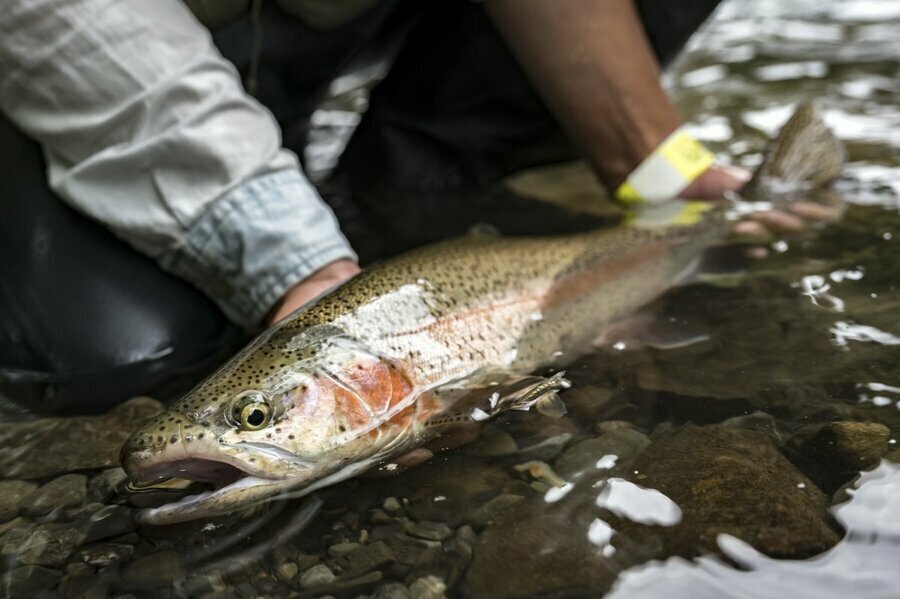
(404,351)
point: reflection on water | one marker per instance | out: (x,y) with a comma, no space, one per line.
(714,468)
(863,564)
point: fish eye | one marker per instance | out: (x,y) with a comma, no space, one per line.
(255,416)
(251,411)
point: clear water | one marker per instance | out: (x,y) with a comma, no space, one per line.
(700,471)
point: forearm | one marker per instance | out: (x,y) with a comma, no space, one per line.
(147,129)
(592,64)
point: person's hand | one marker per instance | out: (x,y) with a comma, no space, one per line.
(324,279)
(717,182)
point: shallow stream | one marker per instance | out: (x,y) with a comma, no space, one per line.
(725,468)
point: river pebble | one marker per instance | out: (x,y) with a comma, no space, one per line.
(316,576)
(102,486)
(105,554)
(49,545)
(66,491)
(368,558)
(494,508)
(27,581)
(428,587)
(391,505)
(582,458)
(342,549)
(286,571)
(11,494)
(432,531)
(164,566)
(392,590)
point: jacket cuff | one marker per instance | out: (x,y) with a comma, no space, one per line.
(257,241)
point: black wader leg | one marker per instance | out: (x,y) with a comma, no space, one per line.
(86,321)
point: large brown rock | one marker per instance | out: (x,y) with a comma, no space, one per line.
(723,480)
(50,446)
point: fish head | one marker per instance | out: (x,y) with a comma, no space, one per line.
(294,408)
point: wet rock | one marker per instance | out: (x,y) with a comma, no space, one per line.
(57,445)
(286,571)
(342,549)
(66,491)
(105,554)
(368,558)
(164,566)
(608,426)
(103,486)
(541,473)
(108,521)
(545,449)
(316,576)
(531,551)
(306,561)
(11,494)
(734,482)
(582,458)
(379,517)
(493,509)
(344,587)
(448,489)
(492,443)
(848,445)
(432,531)
(391,505)
(14,523)
(428,587)
(49,545)
(28,581)
(392,590)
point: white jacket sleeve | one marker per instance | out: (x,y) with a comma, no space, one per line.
(147,129)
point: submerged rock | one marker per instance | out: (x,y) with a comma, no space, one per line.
(11,494)
(582,458)
(28,581)
(735,482)
(428,587)
(66,491)
(316,576)
(847,445)
(50,446)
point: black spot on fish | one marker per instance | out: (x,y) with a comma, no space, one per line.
(173,439)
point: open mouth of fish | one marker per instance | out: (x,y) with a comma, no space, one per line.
(231,484)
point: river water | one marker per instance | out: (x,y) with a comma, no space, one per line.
(727,467)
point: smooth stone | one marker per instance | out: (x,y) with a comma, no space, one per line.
(607,426)
(735,482)
(342,549)
(27,581)
(492,443)
(286,571)
(392,590)
(379,517)
(432,531)
(50,545)
(162,566)
(103,486)
(306,561)
(14,523)
(848,445)
(540,472)
(492,509)
(545,449)
(344,587)
(50,446)
(11,494)
(581,458)
(368,558)
(108,521)
(105,554)
(428,587)
(446,489)
(66,491)
(316,576)
(391,505)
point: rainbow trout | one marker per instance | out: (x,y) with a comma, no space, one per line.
(441,337)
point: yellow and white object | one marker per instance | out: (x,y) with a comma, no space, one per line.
(672,166)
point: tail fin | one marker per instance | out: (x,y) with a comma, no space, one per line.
(806,155)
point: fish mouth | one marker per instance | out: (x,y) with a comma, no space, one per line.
(234,484)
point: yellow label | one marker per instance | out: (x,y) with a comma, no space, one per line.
(687,155)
